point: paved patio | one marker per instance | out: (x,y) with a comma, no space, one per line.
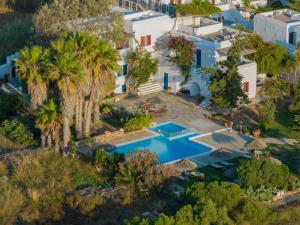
(232,141)
(179,110)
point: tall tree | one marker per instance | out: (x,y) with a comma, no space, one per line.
(141,66)
(226,87)
(49,121)
(31,66)
(67,70)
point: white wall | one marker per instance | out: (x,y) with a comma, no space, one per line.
(249,73)
(7,67)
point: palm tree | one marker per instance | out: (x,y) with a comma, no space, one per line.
(49,121)
(102,64)
(31,67)
(67,70)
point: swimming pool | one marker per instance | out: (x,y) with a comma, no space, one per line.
(167,149)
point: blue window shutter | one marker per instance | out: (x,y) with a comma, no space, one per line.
(119,74)
(125,69)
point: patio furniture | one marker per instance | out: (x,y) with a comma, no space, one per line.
(197,174)
(217,166)
(247,156)
(158,111)
(226,163)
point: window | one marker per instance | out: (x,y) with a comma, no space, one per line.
(246,87)
(119,74)
(143,41)
(124,69)
(148,38)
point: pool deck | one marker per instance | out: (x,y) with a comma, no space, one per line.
(191,116)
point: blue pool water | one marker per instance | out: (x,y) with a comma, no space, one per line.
(170,129)
(167,149)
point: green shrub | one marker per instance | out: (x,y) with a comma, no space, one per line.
(223,194)
(201,99)
(261,193)
(51,181)
(106,109)
(255,212)
(138,122)
(11,202)
(16,132)
(10,105)
(256,173)
(3,169)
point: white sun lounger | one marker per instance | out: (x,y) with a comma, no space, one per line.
(197,174)
(226,163)
(217,166)
(247,156)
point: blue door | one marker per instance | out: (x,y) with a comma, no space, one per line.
(123,88)
(166,81)
(198,54)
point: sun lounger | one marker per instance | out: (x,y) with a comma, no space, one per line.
(217,166)
(226,163)
(197,174)
(247,156)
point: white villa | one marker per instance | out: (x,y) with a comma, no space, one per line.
(212,41)
(151,30)
(280,26)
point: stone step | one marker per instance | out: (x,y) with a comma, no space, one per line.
(148,88)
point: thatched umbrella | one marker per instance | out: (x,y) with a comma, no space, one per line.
(256,144)
(221,154)
(186,165)
(274,160)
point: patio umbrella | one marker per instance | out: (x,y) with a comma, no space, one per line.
(186,165)
(274,160)
(221,154)
(256,144)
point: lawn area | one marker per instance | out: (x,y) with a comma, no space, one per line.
(288,154)
(281,127)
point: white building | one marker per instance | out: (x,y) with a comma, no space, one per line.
(280,26)
(212,41)
(147,27)
(7,71)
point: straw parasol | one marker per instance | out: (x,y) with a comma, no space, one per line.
(256,144)
(274,160)
(221,154)
(186,165)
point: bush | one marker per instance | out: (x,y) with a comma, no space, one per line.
(223,194)
(261,193)
(256,173)
(255,212)
(16,132)
(11,202)
(138,122)
(106,109)
(50,182)
(10,105)
(3,169)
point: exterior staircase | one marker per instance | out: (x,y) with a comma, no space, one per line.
(149,88)
(205,80)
